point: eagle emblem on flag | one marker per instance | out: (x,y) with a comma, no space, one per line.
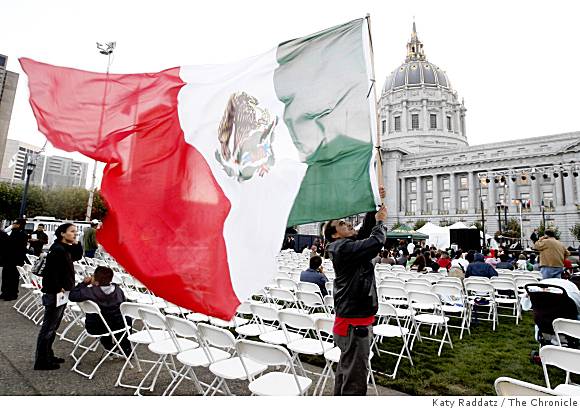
(245,134)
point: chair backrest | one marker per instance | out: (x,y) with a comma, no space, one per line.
(244,308)
(405,276)
(502,284)
(216,336)
(264,353)
(506,386)
(564,358)
(419,279)
(295,320)
(391,292)
(286,283)
(282,295)
(182,327)
(479,286)
(424,298)
(393,282)
(418,287)
(88,306)
(153,319)
(308,287)
(521,282)
(448,289)
(567,327)
(130,309)
(329,302)
(450,279)
(310,299)
(324,325)
(329,286)
(264,312)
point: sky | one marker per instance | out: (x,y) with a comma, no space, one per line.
(513,62)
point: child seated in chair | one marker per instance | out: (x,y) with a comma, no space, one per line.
(108,296)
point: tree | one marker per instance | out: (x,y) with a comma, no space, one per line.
(512,228)
(445,223)
(419,224)
(396,225)
(542,229)
(575,231)
(478,225)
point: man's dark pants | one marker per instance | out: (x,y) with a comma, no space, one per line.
(353,368)
(51,321)
(10,281)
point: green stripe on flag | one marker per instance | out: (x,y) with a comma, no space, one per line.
(322,80)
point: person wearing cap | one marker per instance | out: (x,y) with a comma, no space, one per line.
(15,256)
(90,244)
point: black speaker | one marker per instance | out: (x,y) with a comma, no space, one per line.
(466,238)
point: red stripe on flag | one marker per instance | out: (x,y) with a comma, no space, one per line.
(166,210)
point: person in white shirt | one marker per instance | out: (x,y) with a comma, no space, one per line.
(459,261)
(410,247)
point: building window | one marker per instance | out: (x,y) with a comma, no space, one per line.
(463,203)
(428,204)
(449,128)
(445,184)
(412,205)
(429,185)
(463,182)
(433,121)
(384,126)
(548,199)
(501,198)
(397,123)
(414,121)
(413,186)
(446,203)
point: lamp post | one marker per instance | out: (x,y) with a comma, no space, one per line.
(104,49)
(481,181)
(30,165)
(498,205)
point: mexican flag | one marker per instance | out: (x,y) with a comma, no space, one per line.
(207,165)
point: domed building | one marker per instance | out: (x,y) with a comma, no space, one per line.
(419,108)
(432,174)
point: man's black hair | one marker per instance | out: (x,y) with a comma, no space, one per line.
(103,275)
(315,262)
(329,230)
(550,233)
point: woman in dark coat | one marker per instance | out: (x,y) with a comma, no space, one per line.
(58,277)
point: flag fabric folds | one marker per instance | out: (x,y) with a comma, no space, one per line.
(207,165)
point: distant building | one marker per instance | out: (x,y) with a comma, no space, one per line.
(50,171)
(8,82)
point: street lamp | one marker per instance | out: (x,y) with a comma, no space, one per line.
(499,207)
(481,181)
(30,166)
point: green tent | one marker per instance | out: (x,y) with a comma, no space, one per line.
(406,232)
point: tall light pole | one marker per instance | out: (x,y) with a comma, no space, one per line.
(104,49)
(481,181)
(30,165)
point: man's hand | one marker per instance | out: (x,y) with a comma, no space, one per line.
(88,280)
(381,215)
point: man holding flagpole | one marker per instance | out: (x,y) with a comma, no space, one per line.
(355,296)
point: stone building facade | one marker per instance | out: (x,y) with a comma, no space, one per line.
(431,173)
(8,83)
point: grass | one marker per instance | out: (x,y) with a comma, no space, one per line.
(471,367)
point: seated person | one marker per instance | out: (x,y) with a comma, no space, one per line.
(108,296)
(444,261)
(504,262)
(419,264)
(479,268)
(314,274)
(522,263)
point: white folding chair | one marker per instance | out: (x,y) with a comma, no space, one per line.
(274,383)
(166,349)
(566,327)
(566,359)
(309,287)
(484,291)
(329,287)
(283,296)
(137,338)
(286,283)
(254,327)
(230,368)
(386,330)
(421,301)
(267,314)
(90,307)
(418,286)
(453,303)
(510,387)
(311,302)
(310,344)
(506,297)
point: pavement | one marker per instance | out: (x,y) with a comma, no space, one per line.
(17,377)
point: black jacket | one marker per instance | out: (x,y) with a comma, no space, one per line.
(355,291)
(59,272)
(109,305)
(16,248)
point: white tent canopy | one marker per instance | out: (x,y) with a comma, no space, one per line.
(438,236)
(458,225)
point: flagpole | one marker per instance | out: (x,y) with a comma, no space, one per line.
(105,49)
(374,87)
